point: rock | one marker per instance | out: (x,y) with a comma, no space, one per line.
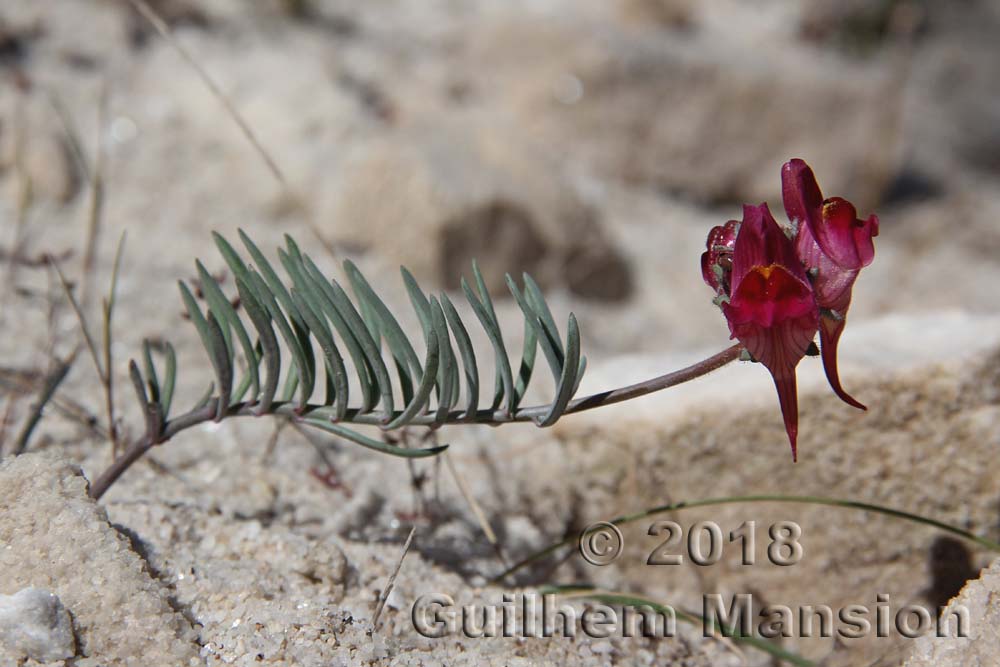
(434,200)
(981,645)
(710,116)
(55,538)
(35,625)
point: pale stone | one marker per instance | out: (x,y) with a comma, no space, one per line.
(35,625)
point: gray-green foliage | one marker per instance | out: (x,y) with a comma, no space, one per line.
(310,319)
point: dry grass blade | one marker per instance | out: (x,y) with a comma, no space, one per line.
(96,205)
(80,317)
(484,524)
(164,30)
(392,578)
(52,382)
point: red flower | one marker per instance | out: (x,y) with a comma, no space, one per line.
(834,245)
(770,306)
(778,288)
(717,260)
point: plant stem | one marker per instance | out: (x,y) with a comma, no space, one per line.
(729,500)
(207,412)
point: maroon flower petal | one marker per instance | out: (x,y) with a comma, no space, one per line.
(774,315)
(842,237)
(780,348)
(801,194)
(719,253)
(761,242)
(830,329)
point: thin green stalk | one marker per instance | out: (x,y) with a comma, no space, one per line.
(207,410)
(630,600)
(731,500)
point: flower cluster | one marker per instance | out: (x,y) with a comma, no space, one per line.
(778,287)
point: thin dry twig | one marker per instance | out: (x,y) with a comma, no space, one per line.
(24,199)
(477,510)
(103,367)
(392,578)
(95,209)
(108,312)
(8,415)
(52,382)
(163,28)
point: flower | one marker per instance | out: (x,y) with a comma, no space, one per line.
(834,245)
(770,307)
(778,287)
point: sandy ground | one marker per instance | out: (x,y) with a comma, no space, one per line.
(590,143)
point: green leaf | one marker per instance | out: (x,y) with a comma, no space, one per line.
(369,345)
(169,381)
(360,345)
(533,295)
(552,354)
(406,359)
(501,387)
(214,344)
(371,443)
(151,379)
(468,356)
(269,343)
(300,346)
(427,381)
(505,378)
(334,362)
(448,375)
(230,322)
(302,363)
(568,381)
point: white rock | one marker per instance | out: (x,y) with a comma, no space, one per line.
(34,624)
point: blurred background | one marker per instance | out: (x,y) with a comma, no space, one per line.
(592,143)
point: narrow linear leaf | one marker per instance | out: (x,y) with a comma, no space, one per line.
(279,294)
(152,382)
(291,384)
(308,301)
(334,361)
(568,382)
(468,355)
(220,355)
(230,322)
(355,326)
(528,354)
(151,410)
(205,398)
(407,363)
(328,298)
(503,373)
(427,381)
(241,390)
(231,257)
(449,374)
(371,443)
(217,354)
(268,341)
(500,387)
(552,355)
(169,381)
(447,370)
(300,362)
(533,295)
(215,298)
